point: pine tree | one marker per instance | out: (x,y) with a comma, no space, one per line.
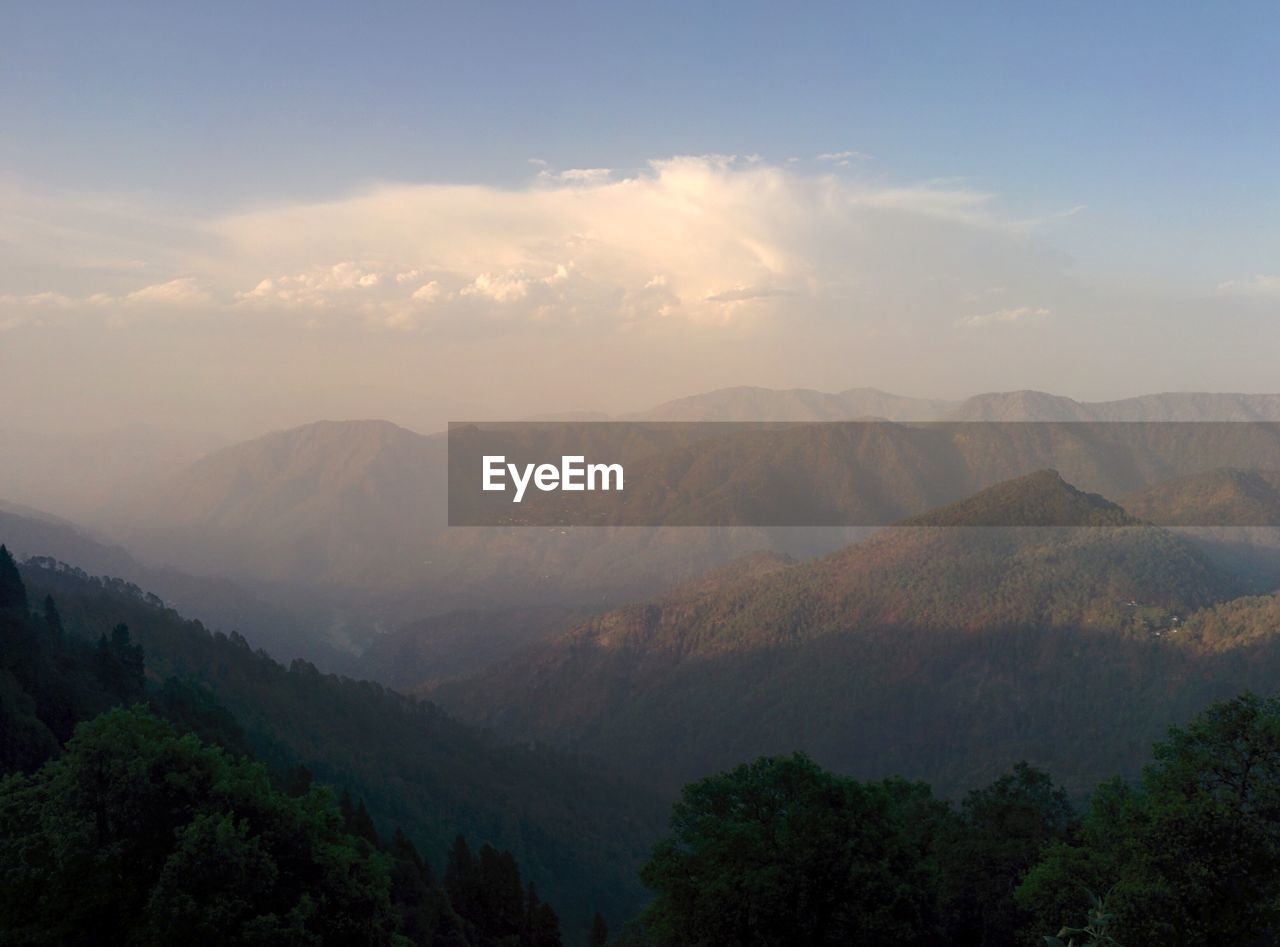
(120,665)
(297,780)
(460,878)
(133,667)
(52,619)
(362,825)
(13,594)
(501,909)
(542,926)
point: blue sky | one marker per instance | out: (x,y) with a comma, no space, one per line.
(1161,117)
(1132,146)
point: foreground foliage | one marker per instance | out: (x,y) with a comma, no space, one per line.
(780,852)
(151,823)
(577,832)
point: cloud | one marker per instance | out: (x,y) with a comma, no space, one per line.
(843,158)
(43,300)
(427,292)
(319,287)
(499,288)
(1260,285)
(747,293)
(34,308)
(705,241)
(176,292)
(578,176)
(1021,315)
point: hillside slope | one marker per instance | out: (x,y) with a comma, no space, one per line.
(220,603)
(940,653)
(579,832)
(1223,497)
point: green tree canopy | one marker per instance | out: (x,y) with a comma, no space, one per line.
(1193,852)
(138,835)
(781,852)
(13,594)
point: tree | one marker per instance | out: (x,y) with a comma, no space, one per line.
(541,926)
(460,877)
(1194,851)
(356,819)
(13,594)
(1004,829)
(136,834)
(52,619)
(499,908)
(781,852)
(121,667)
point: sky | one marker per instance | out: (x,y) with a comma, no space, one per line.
(232,217)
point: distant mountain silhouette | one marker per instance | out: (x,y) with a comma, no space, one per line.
(347,519)
(219,603)
(1167,406)
(797,404)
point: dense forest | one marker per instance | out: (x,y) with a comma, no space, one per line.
(785,853)
(138,809)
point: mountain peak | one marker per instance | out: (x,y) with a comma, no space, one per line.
(1042,498)
(1024,405)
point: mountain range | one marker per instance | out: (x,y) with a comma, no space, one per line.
(939,653)
(802,404)
(339,528)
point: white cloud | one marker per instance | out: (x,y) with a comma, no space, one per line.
(320,286)
(697,240)
(500,288)
(31,308)
(747,293)
(177,292)
(1021,315)
(581,176)
(1260,285)
(427,292)
(842,158)
(44,300)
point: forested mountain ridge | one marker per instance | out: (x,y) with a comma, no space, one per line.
(219,602)
(1042,498)
(944,653)
(577,832)
(132,810)
(1221,497)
